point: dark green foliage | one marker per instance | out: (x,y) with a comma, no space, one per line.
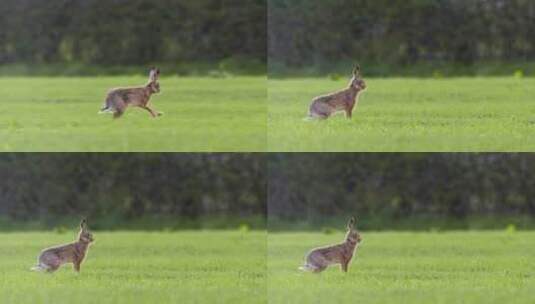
(323,33)
(131,186)
(400,186)
(131,32)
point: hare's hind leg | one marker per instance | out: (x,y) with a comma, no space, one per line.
(118,113)
(49,262)
(320,269)
(317,116)
(120,108)
(114,104)
(321,116)
(316,268)
(320,110)
(312,268)
(52,268)
(316,263)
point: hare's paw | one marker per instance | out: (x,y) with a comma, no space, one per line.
(159,114)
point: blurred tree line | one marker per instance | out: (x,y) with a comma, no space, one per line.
(132,32)
(131,186)
(392,186)
(402,33)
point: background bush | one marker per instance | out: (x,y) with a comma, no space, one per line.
(130,187)
(132,32)
(416,36)
(411,190)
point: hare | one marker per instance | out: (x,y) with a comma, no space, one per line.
(52,258)
(345,100)
(319,259)
(119,99)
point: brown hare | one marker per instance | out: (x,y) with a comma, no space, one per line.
(52,258)
(119,99)
(345,100)
(319,259)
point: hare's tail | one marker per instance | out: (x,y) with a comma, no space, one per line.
(308,268)
(314,117)
(107,107)
(39,268)
(106,110)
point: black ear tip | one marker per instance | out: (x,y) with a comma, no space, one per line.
(356,70)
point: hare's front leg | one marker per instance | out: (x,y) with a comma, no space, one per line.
(151,111)
(349,114)
(76,266)
(344,265)
(349,111)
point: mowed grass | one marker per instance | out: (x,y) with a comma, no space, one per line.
(453,267)
(184,267)
(200,115)
(407,115)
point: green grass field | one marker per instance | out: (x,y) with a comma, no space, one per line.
(184,267)
(407,115)
(453,267)
(200,115)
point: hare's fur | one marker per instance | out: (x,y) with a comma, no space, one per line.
(323,107)
(118,100)
(53,258)
(319,259)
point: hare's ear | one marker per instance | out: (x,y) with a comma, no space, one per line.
(351,223)
(153,74)
(83,224)
(356,70)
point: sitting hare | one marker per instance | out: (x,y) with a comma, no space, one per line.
(324,106)
(52,258)
(319,259)
(119,99)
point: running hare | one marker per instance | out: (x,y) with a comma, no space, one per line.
(345,100)
(52,258)
(119,99)
(319,259)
